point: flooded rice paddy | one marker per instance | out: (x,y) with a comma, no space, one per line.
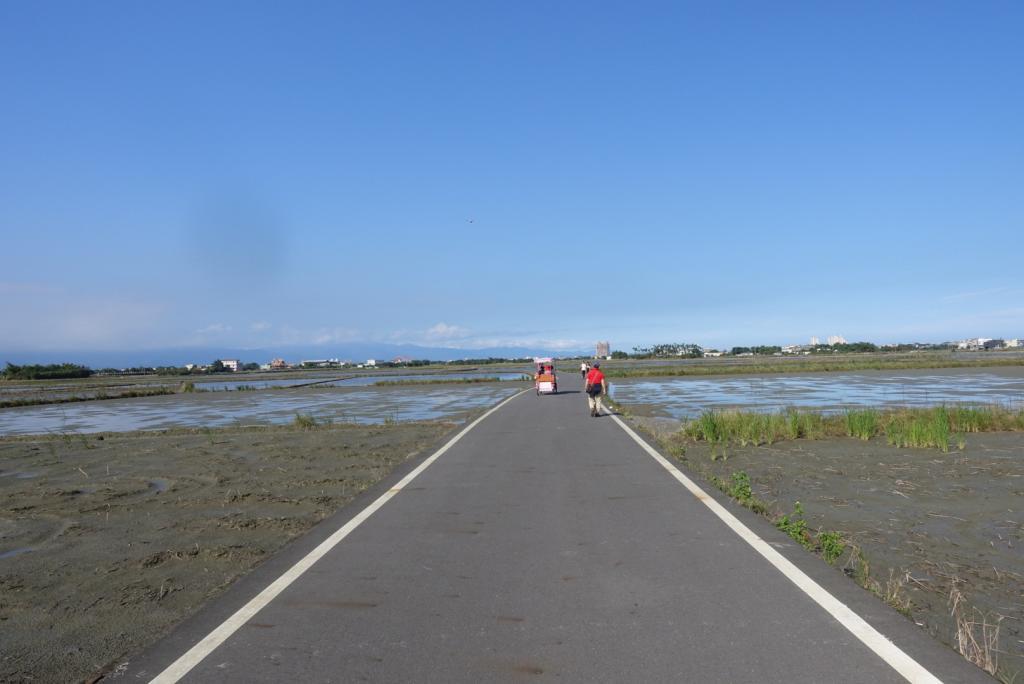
(682,398)
(362,405)
(358,381)
(92,389)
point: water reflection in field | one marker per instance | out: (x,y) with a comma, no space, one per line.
(215,409)
(342,381)
(688,397)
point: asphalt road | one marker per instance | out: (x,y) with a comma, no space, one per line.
(545,545)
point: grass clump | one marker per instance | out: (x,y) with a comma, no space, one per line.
(977,633)
(754,429)
(862,424)
(305,421)
(931,429)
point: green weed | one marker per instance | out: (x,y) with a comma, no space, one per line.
(740,487)
(795,526)
(832,546)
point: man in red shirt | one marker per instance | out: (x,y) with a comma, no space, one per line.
(595,387)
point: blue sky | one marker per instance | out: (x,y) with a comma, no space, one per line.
(478,174)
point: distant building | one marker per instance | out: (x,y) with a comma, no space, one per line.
(320,363)
(189,366)
(231,364)
(371,363)
(973,344)
(1013,344)
(603,350)
(836,339)
(796,349)
(815,341)
(278,364)
(712,352)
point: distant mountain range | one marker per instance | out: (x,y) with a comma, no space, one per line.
(355,352)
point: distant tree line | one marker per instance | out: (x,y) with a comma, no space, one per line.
(53,371)
(64,371)
(919,346)
(411,363)
(762,350)
(491,359)
(145,370)
(845,348)
(678,350)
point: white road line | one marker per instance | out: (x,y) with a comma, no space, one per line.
(872,638)
(180,667)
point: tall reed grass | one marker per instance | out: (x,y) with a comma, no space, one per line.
(922,428)
(748,428)
(862,423)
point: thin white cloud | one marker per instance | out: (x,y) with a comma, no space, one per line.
(16,288)
(260,326)
(974,294)
(214,329)
(335,335)
(443,331)
(554,344)
(452,336)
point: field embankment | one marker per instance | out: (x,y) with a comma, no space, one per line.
(935,529)
(641,368)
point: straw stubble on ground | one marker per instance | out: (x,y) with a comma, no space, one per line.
(108,541)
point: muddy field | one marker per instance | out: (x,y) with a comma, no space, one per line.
(107,541)
(40,392)
(363,405)
(926,522)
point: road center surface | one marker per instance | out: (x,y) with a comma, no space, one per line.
(547,545)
